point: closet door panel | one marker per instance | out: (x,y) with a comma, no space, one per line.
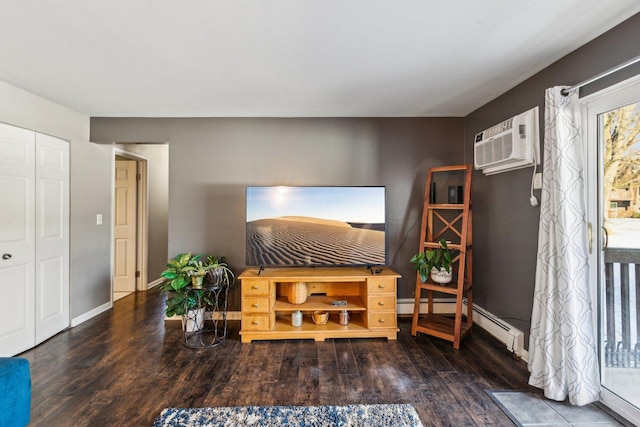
(17,240)
(52,236)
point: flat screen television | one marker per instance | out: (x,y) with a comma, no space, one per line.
(315,226)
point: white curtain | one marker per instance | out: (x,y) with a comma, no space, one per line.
(563,357)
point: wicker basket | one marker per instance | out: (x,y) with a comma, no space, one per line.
(320,317)
(297,293)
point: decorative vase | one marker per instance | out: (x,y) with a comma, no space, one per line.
(193,321)
(215,276)
(196,282)
(441,276)
(344,318)
(296,318)
(297,293)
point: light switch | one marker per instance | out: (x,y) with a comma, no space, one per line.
(99,219)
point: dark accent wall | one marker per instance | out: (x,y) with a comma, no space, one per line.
(505,224)
(212,160)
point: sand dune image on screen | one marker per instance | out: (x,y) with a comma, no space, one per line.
(294,240)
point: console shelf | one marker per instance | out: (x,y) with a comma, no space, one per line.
(320,303)
(371,303)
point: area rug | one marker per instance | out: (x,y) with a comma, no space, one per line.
(386,415)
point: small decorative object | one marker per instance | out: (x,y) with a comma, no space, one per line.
(193,321)
(296,318)
(198,271)
(219,272)
(344,317)
(297,293)
(438,259)
(320,317)
(338,303)
(441,276)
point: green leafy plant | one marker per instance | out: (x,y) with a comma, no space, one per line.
(177,277)
(185,269)
(438,258)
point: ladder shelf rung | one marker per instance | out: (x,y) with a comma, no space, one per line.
(454,246)
(458,206)
(449,288)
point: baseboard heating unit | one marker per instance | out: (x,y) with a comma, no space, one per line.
(508,334)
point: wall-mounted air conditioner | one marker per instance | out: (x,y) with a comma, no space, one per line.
(512,144)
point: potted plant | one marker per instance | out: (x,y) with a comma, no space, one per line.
(198,271)
(180,301)
(219,271)
(436,262)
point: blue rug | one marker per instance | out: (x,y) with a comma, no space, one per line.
(242,416)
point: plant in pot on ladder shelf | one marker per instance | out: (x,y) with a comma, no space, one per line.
(189,303)
(436,262)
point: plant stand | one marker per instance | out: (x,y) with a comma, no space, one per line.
(214,330)
(450,221)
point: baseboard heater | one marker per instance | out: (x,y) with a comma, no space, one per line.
(508,334)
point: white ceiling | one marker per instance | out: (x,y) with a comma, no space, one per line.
(289,58)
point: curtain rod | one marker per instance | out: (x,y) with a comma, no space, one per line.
(602,75)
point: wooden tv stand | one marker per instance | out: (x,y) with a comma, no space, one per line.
(371,303)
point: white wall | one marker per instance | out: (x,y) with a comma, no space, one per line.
(90,194)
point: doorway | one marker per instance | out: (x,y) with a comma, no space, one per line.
(129,224)
(613,180)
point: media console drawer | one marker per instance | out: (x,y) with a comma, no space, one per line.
(370,298)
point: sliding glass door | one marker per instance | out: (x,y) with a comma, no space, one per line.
(613,179)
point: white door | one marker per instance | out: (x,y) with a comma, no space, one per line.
(52,236)
(125,226)
(17,242)
(613,178)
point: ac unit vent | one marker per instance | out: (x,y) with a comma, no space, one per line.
(510,145)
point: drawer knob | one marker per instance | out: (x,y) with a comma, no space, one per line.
(381,303)
(254,287)
(381,320)
(381,286)
(254,305)
(255,322)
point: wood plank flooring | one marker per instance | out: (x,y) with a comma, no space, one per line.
(124,366)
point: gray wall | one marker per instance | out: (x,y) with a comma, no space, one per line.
(90,244)
(211,160)
(157,157)
(505,225)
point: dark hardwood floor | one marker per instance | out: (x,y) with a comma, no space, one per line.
(124,366)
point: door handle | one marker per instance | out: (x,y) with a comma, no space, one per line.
(6,256)
(590,236)
(606,237)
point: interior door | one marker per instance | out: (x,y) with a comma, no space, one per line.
(613,159)
(52,236)
(125,226)
(17,242)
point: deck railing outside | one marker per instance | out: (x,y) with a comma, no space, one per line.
(622,307)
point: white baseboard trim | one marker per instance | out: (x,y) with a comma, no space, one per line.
(155,283)
(90,314)
(231,315)
(512,337)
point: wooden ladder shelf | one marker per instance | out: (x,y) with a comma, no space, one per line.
(452,222)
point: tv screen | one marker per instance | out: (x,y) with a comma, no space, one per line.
(315,226)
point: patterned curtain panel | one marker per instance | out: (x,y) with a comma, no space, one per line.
(563,357)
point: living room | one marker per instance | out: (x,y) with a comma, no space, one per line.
(213,158)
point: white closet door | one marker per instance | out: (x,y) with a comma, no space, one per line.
(17,243)
(52,236)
